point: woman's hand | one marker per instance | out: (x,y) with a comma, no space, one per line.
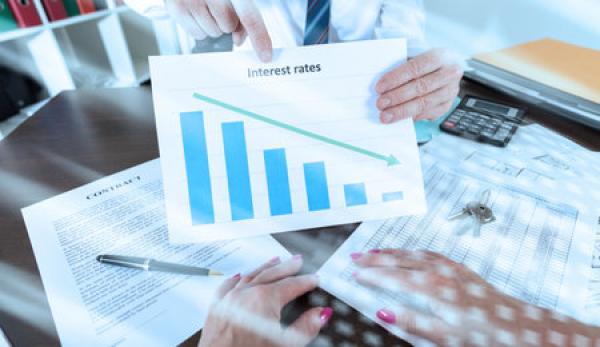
(213,18)
(247,311)
(451,305)
(423,88)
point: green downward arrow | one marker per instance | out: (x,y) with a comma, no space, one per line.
(389,159)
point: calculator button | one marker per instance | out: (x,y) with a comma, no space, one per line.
(487,134)
(449,124)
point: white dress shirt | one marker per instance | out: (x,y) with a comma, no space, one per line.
(351,20)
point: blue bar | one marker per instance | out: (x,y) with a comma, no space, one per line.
(316,186)
(278,182)
(393,196)
(355,194)
(196,166)
(238,175)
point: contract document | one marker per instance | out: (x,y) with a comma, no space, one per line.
(95,304)
(250,148)
(537,250)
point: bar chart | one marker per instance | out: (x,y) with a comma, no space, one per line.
(238,176)
(243,157)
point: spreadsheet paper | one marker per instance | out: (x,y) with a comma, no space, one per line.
(537,250)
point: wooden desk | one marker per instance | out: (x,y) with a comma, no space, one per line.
(83,135)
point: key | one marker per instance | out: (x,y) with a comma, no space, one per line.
(462,213)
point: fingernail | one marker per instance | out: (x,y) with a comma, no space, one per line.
(274,260)
(325,316)
(385,102)
(386,316)
(356,255)
(265,56)
(375,251)
(237,277)
(387,117)
(297,257)
(355,274)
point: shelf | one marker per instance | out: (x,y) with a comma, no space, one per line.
(84,18)
(23,32)
(18,33)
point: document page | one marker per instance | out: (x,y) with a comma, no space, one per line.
(95,304)
(251,148)
(537,250)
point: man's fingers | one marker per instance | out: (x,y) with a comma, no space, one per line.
(419,105)
(420,86)
(307,327)
(418,66)
(290,288)
(224,14)
(416,323)
(239,36)
(436,112)
(252,21)
(275,273)
(205,20)
(186,20)
(227,286)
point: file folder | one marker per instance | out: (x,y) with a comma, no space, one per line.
(86,6)
(7,20)
(25,13)
(54,9)
(71,7)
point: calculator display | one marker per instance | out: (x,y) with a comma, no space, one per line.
(493,108)
(484,105)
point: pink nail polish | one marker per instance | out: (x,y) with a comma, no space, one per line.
(375,251)
(274,260)
(297,257)
(237,277)
(386,316)
(355,274)
(325,316)
(356,255)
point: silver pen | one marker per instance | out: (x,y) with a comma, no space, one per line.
(148,264)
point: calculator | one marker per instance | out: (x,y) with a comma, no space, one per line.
(484,121)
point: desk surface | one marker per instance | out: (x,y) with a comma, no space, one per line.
(83,135)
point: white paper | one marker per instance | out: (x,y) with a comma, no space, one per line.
(3,340)
(537,250)
(541,161)
(536,157)
(95,304)
(337,101)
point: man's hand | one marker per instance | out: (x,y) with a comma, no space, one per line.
(213,18)
(423,88)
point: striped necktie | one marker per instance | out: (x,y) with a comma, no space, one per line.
(316,31)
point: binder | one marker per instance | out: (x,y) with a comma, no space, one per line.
(71,7)
(7,20)
(100,5)
(564,66)
(25,13)
(556,76)
(54,9)
(86,6)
